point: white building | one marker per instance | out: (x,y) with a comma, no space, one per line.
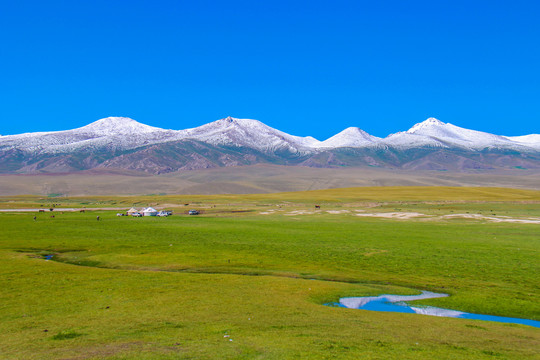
(149,211)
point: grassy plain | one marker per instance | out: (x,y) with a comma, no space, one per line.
(249,277)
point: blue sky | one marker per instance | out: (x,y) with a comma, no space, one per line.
(304,67)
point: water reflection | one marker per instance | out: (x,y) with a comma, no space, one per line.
(396,303)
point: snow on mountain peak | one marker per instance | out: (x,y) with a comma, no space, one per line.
(430,122)
(354,130)
(125,133)
(107,133)
(350,137)
(248,133)
(117,126)
(449,135)
(433,121)
(532,140)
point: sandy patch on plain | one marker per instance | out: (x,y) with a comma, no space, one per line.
(300,212)
(492,218)
(268,212)
(393,215)
(412,215)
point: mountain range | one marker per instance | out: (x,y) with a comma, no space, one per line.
(123,143)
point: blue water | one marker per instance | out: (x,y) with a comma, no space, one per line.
(501,319)
(384,304)
(396,303)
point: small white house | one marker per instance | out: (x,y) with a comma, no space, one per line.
(132,211)
(149,211)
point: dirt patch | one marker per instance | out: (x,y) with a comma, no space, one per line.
(372,252)
(270,212)
(492,218)
(300,212)
(402,215)
(412,215)
(394,215)
(102,351)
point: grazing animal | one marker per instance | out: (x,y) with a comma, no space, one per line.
(34,218)
(81,211)
(52,216)
(98,218)
(41,210)
(317,206)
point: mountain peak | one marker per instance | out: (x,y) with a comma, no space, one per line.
(230,124)
(354,130)
(350,137)
(249,133)
(429,122)
(117,125)
(433,121)
(116,120)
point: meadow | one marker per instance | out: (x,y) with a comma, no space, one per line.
(250,277)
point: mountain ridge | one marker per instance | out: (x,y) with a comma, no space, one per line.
(234,131)
(120,142)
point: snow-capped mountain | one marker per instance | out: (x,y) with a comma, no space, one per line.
(532,140)
(249,133)
(406,140)
(433,132)
(112,126)
(122,133)
(109,133)
(125,143)
(350,137)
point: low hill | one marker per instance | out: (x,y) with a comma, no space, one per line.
(251,180)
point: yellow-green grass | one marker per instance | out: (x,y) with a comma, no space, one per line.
(184,286)
(156,315)
(329,196)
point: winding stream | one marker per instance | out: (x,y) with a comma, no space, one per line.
(396,303)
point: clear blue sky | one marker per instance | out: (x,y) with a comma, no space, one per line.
(304,67)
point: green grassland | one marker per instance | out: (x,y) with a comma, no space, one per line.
(249,278)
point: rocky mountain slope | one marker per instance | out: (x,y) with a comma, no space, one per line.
(124,143)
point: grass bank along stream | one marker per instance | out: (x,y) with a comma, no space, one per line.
(105,311)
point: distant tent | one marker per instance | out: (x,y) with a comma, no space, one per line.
(149,211)
(132,211)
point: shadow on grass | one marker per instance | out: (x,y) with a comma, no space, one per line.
(66,334)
